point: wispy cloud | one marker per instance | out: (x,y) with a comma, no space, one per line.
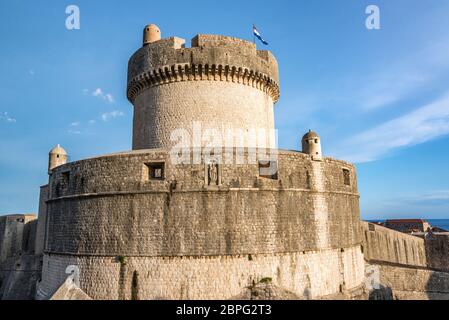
(4,116)
(111,115)
(74,131)
(105,96)
(405,77)
(78,127)
(100,94)
(423,124)
(413,204)
(31,72)
(435,198)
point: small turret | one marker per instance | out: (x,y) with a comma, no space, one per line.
(311,145)
(151,33)
(57,156)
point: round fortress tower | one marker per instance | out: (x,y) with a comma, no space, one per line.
(219,83)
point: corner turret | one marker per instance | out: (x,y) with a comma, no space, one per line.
(311,145)
(56,157)
(151,33)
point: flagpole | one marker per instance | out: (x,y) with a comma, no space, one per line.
(254,36)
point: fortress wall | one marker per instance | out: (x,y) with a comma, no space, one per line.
(19,267)
(105,207)
(15,235)
(411,267)
(215,105)
(42,218)
(437,251)
(214,277)
(119,213)
(414,283)
(386,245)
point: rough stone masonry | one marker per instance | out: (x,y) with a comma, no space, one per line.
(135,225)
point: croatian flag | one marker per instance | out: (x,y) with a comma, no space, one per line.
(257,34)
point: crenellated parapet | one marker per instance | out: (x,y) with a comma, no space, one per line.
(211,58)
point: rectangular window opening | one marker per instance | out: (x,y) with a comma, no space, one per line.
(346,177)
(156,170)
(66,178)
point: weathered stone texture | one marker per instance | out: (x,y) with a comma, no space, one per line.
(107,207)
(409,267)
(383,244)
(42,220)
(19,266)
(163,110)
(186,239)
(414,283)
(214,277)
(437,252)
(221,82)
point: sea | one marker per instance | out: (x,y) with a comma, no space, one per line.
(440,223)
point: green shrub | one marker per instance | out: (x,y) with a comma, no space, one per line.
(266,280)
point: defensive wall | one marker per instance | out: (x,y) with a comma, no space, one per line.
(185,236)
(409,267)
(20,268)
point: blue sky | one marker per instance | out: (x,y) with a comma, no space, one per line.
(379,98)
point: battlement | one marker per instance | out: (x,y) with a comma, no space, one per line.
(211,57)
(211,40)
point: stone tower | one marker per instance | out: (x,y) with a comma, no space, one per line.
(311,145)
(56,157)
(218,83)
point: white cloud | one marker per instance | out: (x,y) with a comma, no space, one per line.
(98,93)
(31,72)
(421,125)
(75,124)
(111,115)
(92,121)
(387,89)
(101,94)
(109,98)
(6,117)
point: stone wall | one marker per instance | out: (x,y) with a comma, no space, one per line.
(103,208)
(386,245)
(220,82)
(16,235)
(42,220)
(216,106)
(213,277)
(19,266)
(437,252)
(408,283)
(408,267)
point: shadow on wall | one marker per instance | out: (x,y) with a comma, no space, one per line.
(383,293)
(437,255)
